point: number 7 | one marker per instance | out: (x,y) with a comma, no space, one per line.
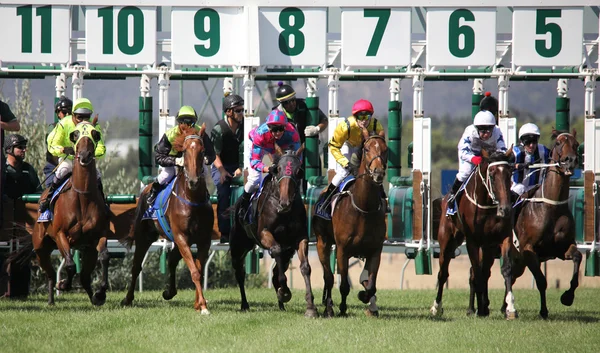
(383,16)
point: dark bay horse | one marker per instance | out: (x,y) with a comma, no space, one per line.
(357,228)
(80,220)
(280,227)
(545,226)
(190,216)
(484,218)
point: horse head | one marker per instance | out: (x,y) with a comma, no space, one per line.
(497,172)
(564,151)
(374,159)
(288,176)
(191,145)
(84,139)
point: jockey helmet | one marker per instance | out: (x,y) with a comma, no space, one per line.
(284,93)
(64,105)
(83,106)
(362,105)
(232,100)
(484,118)
(277,117)
(489,103)
(529,129)
(12,141)
(187,115)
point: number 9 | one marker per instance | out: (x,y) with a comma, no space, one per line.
(211,33)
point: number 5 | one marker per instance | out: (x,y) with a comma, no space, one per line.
(383,16)
(541,27)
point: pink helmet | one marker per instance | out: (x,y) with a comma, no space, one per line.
(362,105)
(276,117)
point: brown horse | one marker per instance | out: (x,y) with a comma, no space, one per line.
(80,220)
(545,226)
(357,228)
(280,227)
(484,218)
(190,216)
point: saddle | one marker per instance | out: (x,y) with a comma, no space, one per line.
(325,205)
(48,215)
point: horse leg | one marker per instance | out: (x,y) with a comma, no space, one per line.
(342,263)
(486,260)
(279,280)
(568,296)
(88,263)
(448,244)
(533,263)
(186,253)
(368,295)
(507,272)
(474,256)
(311,310)
(471,308)
(324,250)
(201,257)
(103,257)
(171,291)
(65,250)
(142,244)
(43,256)
(517,269)
(239,246)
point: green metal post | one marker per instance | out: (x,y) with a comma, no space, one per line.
(77,260)
(252,263)
(395,138)
(563,107)
(145,137)
(311,156)
(475,100)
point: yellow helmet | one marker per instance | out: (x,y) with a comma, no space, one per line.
(83,106)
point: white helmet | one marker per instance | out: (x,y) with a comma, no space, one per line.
(529,129)
(484,117)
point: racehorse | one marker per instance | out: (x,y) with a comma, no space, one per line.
(190,216)
(484,218)
(545,226)
(80,221)
(357,228)
(279,226)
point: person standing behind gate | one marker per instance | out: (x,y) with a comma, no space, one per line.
(483,133)
(489,103)
(63,109)
(227,137)
(168,157)
(528,153)
(8,122)
(21,177)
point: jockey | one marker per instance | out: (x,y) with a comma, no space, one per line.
(347,140)
(528,153)
(483,133)
(63,109)
(168,157)
(276,130)
(60,145)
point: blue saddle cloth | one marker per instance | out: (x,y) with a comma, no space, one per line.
(453,206)
(48,215)
(322,207)
(157,210)
(250,216)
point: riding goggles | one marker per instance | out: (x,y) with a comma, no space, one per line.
(485,128)
(277,128)
(187,121)
(362,116)
(238,111)
(529,140)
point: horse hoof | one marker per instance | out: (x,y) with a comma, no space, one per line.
(363,296)
(436,311)
(311,313)
(567,298)
(284,295)
(471,312)
(204,312)
(511,316)
(62,286)
(167,295)
(370,313)
(126,302)
(328,313)
(99,298)
(544,314)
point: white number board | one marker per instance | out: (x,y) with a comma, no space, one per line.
(461,37)
(376,37)
(547,37)
(209,36)
(35,34)
(292,36)
(120,35)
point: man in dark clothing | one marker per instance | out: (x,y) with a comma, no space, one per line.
(8,122)
(227,137)
(21,178)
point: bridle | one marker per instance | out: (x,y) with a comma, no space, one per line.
(382,156)
(185,172)
(488,181)
(559,153)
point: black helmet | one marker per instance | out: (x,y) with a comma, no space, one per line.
(12,141)
(489,103)
(232,100)
(64,105)
(285,93)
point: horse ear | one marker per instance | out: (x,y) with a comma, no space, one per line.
(365,134)
(300,150)
(202,129)
(510,152)
(96,135)
(278,150)
(484,153)
(74,136)
(574,134)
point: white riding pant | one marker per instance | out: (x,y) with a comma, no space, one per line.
(464,170)
(352,154)
(253,180)
(65,167)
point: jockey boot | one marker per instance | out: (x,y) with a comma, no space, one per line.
(385,198)
(331,189)
(156,187)
(101,189)
(244,203)
(45,202)
(452,196)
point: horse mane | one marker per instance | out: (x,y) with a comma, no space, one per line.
(497,156)
(284,153)
(185,132)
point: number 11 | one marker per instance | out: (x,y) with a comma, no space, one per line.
(45,12)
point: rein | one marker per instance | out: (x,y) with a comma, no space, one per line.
(488,185)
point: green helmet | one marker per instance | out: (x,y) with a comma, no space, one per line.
(83,106)
(186,114)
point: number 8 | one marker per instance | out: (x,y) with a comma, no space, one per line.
(291,30)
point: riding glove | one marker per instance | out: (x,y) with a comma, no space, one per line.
(311,130)
(179,161)
(68,151)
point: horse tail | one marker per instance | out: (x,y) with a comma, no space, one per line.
(127,241)
(23,255)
